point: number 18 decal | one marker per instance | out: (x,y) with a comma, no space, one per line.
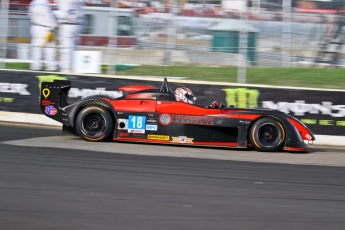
(136,124)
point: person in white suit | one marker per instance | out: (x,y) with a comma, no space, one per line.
(70,19)
(43,46)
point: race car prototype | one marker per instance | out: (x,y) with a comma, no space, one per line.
(149,114)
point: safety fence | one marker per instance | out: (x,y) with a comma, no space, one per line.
(258,37)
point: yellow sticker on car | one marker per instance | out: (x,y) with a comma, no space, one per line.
(158,137)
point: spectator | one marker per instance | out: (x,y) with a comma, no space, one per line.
(42,29)
(70,19)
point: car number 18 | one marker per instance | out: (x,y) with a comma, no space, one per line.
(136,122)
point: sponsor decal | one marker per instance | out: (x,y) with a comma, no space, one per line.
(47,102)
(136,130)
(139,95)
(186,119)
(75,92)
(136,124)
(124,134)
(50,110)
(46,93)
(182,140)
(151,127)
(165,119)
(151,120)
(137,135)
(14,88)
(242,97)
(158,137)
(6,99)
(308,136)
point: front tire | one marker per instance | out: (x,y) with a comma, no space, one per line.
(267,135)
(94,123)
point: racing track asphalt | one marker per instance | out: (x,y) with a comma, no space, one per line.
(55,188)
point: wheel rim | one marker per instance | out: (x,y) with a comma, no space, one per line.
(93,125)
(269,135)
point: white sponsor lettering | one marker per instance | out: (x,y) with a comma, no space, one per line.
(14,88)
(308,136)
(75,92)
(300,108)
(151,127)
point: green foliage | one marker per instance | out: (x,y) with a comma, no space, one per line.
(17,65)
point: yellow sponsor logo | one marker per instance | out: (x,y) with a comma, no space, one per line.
(158,137)
(46,92)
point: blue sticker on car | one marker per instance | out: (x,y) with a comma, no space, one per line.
(136,124)
(151,127)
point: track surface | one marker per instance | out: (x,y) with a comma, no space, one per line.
(54,188)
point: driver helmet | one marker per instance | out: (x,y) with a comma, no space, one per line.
(185,95)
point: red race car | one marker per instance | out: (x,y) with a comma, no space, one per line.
(147,114)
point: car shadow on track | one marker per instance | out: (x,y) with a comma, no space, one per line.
(313,149)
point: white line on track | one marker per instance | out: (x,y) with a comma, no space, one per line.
(30,125)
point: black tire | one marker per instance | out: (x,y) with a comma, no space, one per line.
(267,135)
(94,123)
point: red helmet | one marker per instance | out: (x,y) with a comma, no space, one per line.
(185,94)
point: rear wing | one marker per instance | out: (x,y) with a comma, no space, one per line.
(53,99)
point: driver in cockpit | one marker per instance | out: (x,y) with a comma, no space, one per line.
(186,95)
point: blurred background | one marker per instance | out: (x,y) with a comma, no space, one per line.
(235,34)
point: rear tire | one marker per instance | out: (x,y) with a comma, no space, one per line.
(267,135)
(94,123)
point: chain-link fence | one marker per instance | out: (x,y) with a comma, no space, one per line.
(258,37)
